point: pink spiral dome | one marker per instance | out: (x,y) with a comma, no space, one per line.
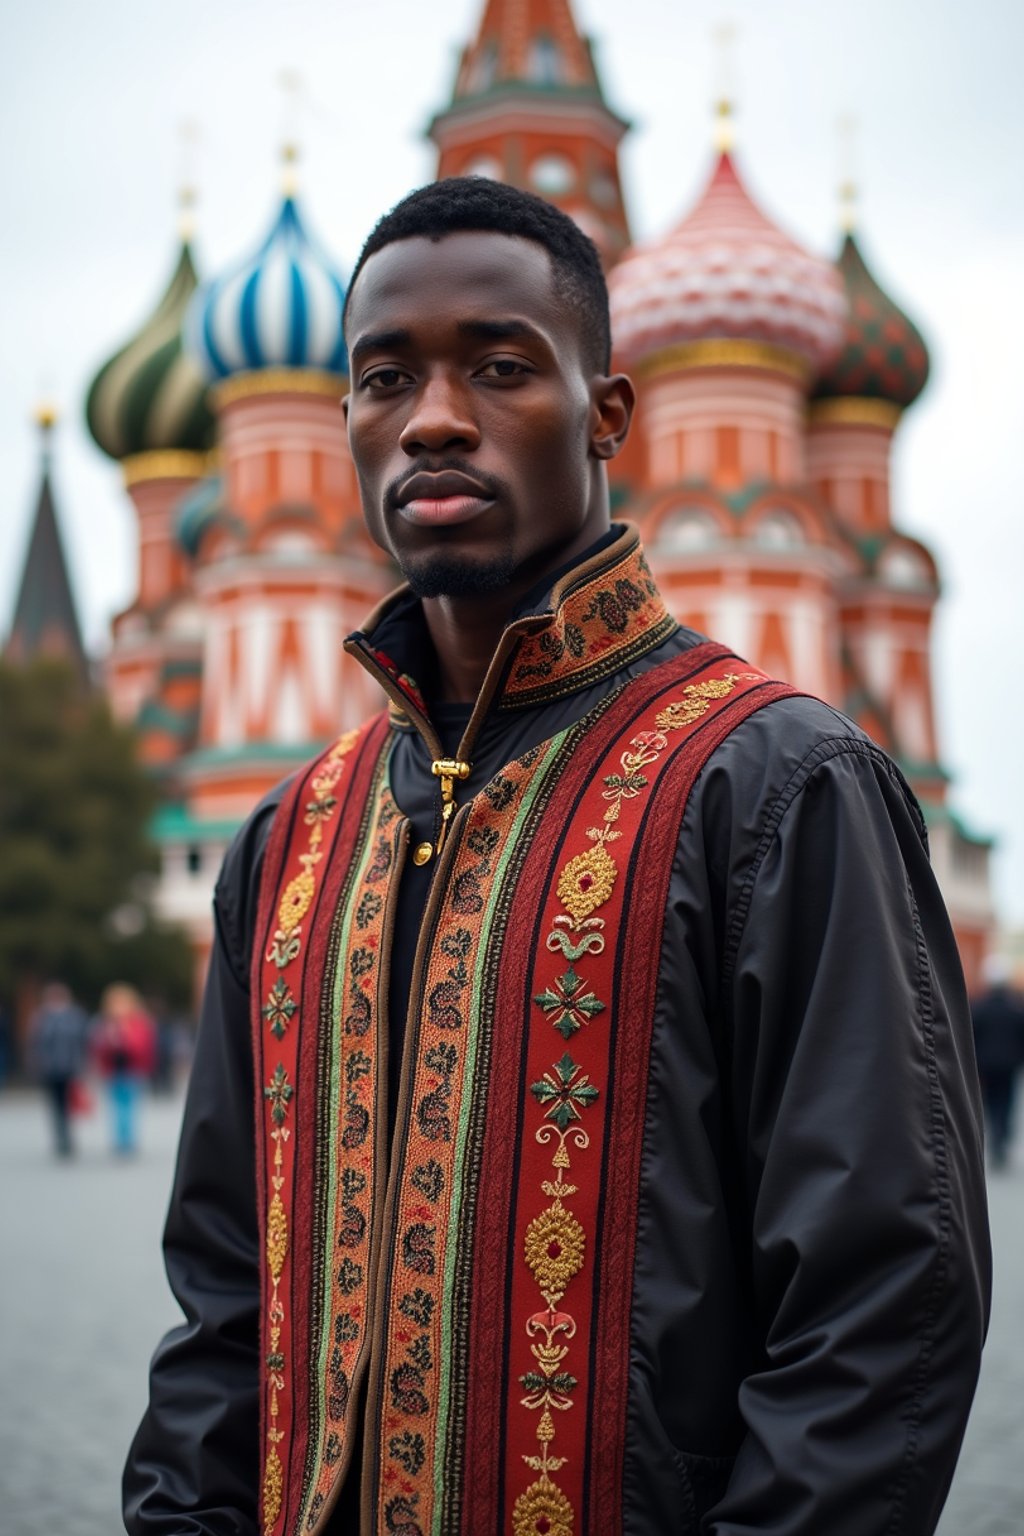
(726,271)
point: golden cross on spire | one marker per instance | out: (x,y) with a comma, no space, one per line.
(725,40)
(188,138)
(847,132)
(292,98)
(45,414)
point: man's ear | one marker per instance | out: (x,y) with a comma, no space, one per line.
(613,401)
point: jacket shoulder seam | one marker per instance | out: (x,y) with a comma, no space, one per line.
(822,752)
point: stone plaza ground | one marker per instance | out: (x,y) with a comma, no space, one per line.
(84,1300)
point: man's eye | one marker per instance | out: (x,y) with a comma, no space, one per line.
(503,368)
(384,378)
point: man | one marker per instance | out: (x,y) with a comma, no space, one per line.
(998,1020)
(617,1160)
(58,1035)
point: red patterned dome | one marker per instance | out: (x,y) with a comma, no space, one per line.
(883,355)
(726,272)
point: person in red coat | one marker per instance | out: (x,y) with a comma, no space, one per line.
(124,1046)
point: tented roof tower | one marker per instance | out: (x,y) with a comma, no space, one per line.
(528,108)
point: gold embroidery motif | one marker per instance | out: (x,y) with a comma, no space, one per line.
(286,944)
(277,1237)
(277,1249)
(296,900)
(542,1508)
(586,882)
(273,1489)
(697,700)
(554,1249)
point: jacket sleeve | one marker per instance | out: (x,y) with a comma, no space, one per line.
(192,1468)
(858,1142)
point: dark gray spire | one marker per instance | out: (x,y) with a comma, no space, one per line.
(45,621)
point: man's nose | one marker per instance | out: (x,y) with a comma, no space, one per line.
(442,417)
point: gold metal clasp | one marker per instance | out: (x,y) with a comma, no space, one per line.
(448,769)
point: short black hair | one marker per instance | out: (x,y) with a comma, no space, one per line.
(464,203)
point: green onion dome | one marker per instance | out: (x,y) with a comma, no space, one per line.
(151,396)
(883,356)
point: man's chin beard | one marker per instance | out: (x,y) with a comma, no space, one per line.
(454,576)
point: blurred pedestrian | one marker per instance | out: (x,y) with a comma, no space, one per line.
(57,1040)
(6,1052)
(124,1044)
(998,1018)
(167,1031)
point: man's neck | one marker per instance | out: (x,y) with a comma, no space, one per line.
(465,634)
(465,631)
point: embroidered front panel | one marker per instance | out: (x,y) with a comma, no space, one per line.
(420,1433)
(347,1177)
(607,624)
(280,974)
(307,855)
(581,1002)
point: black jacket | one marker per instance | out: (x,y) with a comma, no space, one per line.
(813,1268)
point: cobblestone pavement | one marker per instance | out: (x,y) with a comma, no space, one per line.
(84,1300)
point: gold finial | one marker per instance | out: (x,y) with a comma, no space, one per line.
(46,415)
(290,82)
(188,133)
(186,213)
(847,128)
(725,136)
(290,178)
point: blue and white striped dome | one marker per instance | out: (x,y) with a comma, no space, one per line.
(282,308)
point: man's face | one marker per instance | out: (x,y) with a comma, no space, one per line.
(475,428)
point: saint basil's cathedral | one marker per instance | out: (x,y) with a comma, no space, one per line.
(771,384)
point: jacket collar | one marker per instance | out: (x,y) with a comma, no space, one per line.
(597,617)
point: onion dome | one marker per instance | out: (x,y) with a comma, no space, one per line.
(883,355)
(151,397)
(726,272)
(281,308)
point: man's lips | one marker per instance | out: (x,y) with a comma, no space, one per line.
(443,511)
(442,500)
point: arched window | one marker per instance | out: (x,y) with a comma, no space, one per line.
(552,175)
(290,544)
(484,165)
(779,529)
(544,66)
(687,531)
(486,67)
(905,569)
(185,620)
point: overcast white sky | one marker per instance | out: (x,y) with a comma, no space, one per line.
(92,96)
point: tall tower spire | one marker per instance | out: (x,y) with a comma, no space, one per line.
(528,108)
(45,619)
